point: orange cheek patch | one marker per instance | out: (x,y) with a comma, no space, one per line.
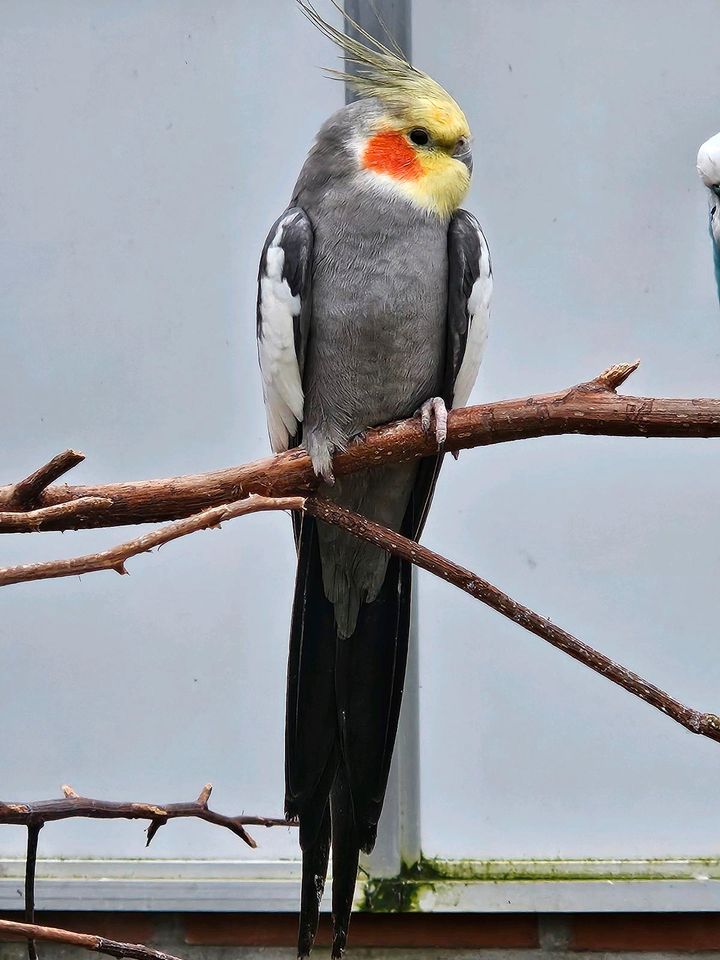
(391,153)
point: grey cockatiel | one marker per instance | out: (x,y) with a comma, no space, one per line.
(373,301)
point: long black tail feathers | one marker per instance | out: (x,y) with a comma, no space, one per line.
(339,821)
(314,871)
(346,850)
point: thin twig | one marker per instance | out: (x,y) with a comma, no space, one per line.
(88,941)
(69,515)
(591,408)
(27,491)
(115,557)
(706,724)
(73,805)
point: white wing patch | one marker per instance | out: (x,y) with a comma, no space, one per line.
(282,384)
(478,308)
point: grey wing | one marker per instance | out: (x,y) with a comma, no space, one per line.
(284,308)
(468,310)
(469,292)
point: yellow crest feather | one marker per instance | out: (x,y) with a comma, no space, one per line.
(388,76)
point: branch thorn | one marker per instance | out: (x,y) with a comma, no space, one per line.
(153,829)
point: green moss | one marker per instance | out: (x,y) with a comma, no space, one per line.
(394,894)
(408,892)
(531,871)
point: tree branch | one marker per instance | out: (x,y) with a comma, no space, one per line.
(88,941)
(282,483)
(591,408)
(25,493)
(115,557)
(69,515)
(707,724)
(72,805)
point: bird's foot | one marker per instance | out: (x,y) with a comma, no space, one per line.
(327,476)
(321,457)
(434,409)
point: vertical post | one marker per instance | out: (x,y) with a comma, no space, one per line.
(379,18)
(409,746)
(398,841)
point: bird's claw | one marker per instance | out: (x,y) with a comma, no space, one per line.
(434,409)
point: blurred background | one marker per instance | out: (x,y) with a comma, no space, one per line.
(146,148)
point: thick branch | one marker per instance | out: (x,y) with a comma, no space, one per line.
(592,408)
(72,805)
(88,941)
(589,408)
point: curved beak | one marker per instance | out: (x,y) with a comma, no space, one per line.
(463,153)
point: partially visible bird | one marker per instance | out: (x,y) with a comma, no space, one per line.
(708,165)
(373,301)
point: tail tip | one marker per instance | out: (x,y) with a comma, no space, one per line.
(367,835)
(339,943)
(305,945)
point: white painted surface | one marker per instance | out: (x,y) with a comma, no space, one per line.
(608,887)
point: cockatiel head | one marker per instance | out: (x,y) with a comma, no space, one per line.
(708,163)
(413,139)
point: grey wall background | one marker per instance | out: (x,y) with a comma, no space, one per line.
(145,149)
(587,120)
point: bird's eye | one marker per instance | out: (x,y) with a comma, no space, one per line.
(420,137)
